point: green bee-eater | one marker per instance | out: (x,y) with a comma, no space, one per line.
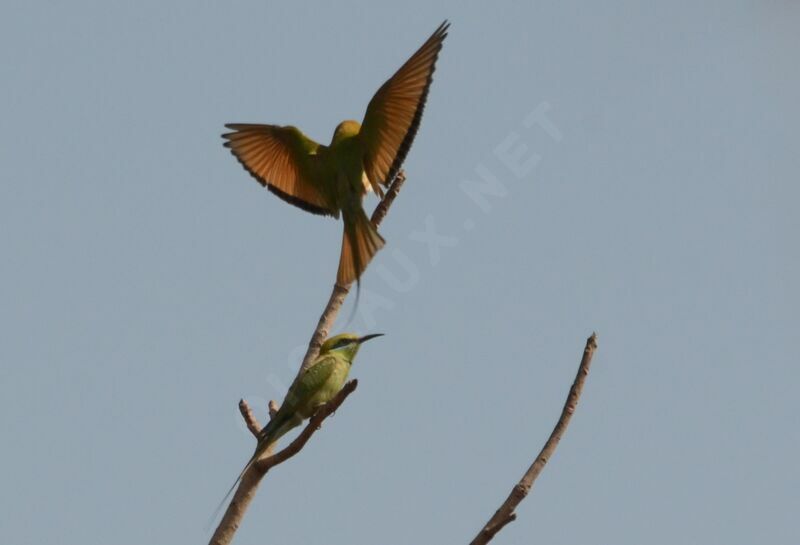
(331,179)
(314,388)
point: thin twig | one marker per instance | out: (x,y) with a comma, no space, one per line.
(273,408)
(249,418)
(505,513)
(388,198)
(247,487)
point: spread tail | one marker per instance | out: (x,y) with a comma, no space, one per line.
(361,241)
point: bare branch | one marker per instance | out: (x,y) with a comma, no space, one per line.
(273,408)
(234,514)
(388,198)
(247,487)
(505,513)
(249,418)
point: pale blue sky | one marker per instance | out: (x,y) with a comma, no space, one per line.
(148,283)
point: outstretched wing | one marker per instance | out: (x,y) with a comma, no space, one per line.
(282,160)
(394,113)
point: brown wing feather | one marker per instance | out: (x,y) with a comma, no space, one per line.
(394,113)
(281,159)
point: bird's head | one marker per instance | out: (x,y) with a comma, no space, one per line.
(346,129)
(346,344)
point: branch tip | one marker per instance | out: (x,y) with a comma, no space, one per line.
(250,419)
(506,512)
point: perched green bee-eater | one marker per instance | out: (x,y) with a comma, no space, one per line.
(314,388)
(331,179)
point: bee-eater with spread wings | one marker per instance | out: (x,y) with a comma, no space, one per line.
(331,179)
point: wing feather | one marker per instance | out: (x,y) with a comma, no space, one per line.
(394,113)
(283,160)
(314,378)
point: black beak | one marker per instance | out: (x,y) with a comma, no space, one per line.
(365,338)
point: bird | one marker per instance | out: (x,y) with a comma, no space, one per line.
(315,387)
(332,180)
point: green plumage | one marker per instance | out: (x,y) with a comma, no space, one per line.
(318,385)
(314,388)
